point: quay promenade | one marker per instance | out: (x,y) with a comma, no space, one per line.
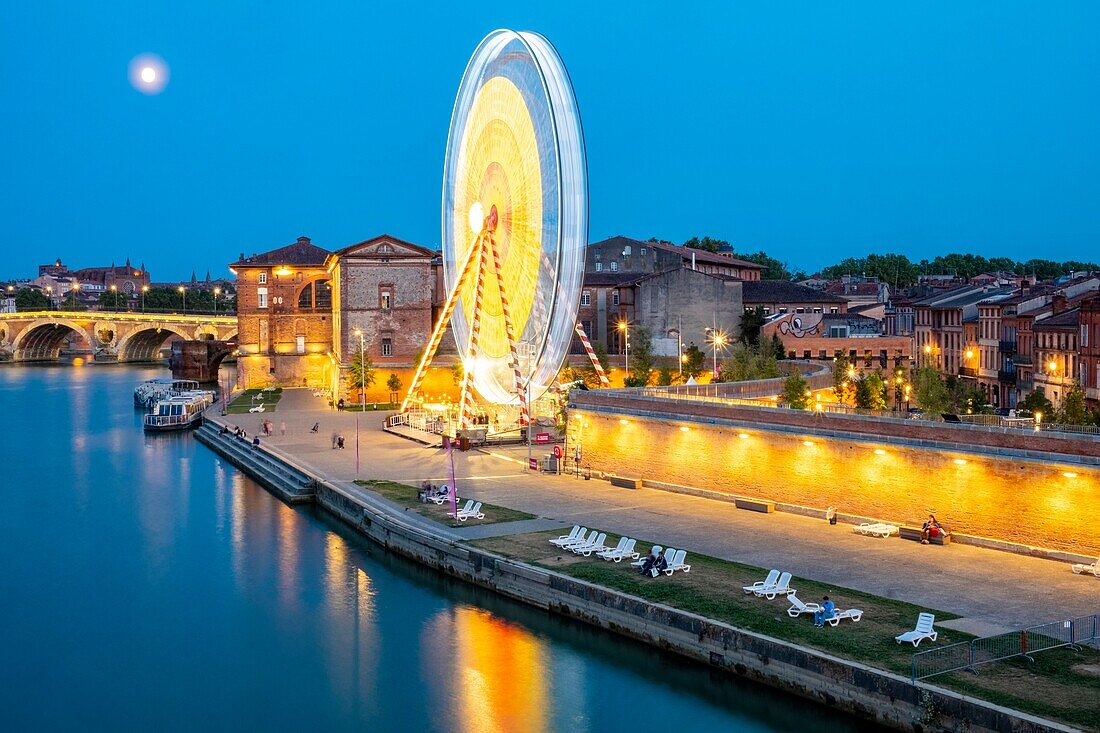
(991,591)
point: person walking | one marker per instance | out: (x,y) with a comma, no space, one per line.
(282,429)
(335,437)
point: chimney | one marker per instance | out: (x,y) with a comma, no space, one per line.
(241,258)
(1059,302)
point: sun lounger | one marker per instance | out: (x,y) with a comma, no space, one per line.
(612,550)
(853,613)
(566,537)
(782,587)
(257,408)
(617,555)
(1083,568)
(773,575)
(440,499)
(798,607)
(473,513)
(640,561)
(877,529)
(467,507)
(923,631)
(588,547)
(678,563)
(580,540)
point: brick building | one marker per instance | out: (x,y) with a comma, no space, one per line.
(625,255)
(779,297)
(389,290)
(824,336)
(284,317)
(1089,341)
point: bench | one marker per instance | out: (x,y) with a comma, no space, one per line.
(913,533)
(755,505)
(626,483)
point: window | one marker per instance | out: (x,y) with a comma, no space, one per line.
(782,309)
(586,298)
(384,300)
(261,297)
(1084,334)
(834,310)
(305,298)
(301,344)
(597,254)
(263,278)
(626,251)
(799,310)
(614,297)
(387,346)
(817,309)
(614,266)
(599,267)
(767,310)
(641,251)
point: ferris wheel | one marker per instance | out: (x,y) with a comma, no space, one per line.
(515,222)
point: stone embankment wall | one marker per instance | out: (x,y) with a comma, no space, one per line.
(900,473)
(888,699)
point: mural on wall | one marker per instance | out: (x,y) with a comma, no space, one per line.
(799,325)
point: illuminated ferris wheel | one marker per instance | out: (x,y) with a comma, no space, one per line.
(515,222)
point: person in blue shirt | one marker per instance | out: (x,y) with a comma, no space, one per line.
(828,610)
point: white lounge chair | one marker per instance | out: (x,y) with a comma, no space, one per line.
(923,631)
(257,408)
(581,540)
(876,529)
(641,560)
(606,554)
(468,506)
(798,607)
(439,499)
(567,537)
(617,555)
(1084,568)
(474,513)
(773,575)
(589,547)
(853,613)
(782,587)
(678,563)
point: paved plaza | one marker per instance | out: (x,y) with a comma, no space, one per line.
(992,591)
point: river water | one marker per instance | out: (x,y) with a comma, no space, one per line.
(146,584)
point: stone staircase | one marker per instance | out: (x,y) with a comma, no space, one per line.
(288,483)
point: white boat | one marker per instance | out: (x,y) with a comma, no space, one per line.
(180,412)
(147,393)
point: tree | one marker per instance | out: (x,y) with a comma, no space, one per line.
(751,323)
(929,390)
(843,377)
(394,385)
(361,373)
(707,244)
(28,299)
(900,377)
(664,377)
(1036,402)
(641,359)
(875,391)
(773,269)
(588,372)
(778,347)
(695,360)
(794,391)
(1073,410)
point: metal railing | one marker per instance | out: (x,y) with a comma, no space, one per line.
(970,655)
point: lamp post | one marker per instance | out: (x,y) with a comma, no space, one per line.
(114,292)
(72,295)
(362,370)
(183,294)
(717,341)
(49,298)
(144,290)
(217,291)
(680,346)
(624,328)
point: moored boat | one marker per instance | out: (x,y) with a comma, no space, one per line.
(147,393)
(179,412)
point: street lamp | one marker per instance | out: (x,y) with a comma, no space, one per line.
(49,297)
(114,289)
(72,295)
(217,292)
(624,328)
(144,290)
(362,371)
(183,294)
(717,341)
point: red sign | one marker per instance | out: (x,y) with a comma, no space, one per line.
(542,437)
(557,451)
(533,464)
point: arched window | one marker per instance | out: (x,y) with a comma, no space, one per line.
(316,295)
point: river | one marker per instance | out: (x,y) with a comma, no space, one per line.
(146,584)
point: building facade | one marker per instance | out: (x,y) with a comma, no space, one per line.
(284,317)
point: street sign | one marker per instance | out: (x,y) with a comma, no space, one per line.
(542,437)
(533,464)
(557,451)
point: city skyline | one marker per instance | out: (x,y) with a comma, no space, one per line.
(922,131)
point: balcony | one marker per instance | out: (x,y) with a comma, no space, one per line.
(1007,347)
(1022,360)
(970,372)
(1006,376)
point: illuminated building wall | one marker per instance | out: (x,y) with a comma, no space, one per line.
(1042,504)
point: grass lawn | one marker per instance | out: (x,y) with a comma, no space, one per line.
(406,496)
(1049,687)
(244,400)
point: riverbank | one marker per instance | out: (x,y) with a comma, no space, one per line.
(874,694)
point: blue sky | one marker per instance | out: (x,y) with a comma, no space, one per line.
(811,130)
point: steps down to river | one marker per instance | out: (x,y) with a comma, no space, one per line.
(287,482)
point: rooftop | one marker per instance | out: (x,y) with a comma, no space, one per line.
(781,291)
(701,255)
(301,252)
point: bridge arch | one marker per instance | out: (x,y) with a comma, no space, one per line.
(144,344)
(41,340)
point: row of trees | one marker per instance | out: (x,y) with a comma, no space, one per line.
(897,269)
(156,299)
(361,375)
(774,269)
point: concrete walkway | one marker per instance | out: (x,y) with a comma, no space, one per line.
(993,591)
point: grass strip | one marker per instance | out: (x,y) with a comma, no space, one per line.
(1057,686)
(252,397)
(406,496)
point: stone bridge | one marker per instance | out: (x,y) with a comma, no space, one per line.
(127,337)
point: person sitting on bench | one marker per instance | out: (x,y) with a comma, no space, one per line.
(931,530)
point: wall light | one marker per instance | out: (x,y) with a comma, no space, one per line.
(684,428)
(624,422)
(808,443)
(879,452)
(1069,474)
(960,461)
(742,436)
